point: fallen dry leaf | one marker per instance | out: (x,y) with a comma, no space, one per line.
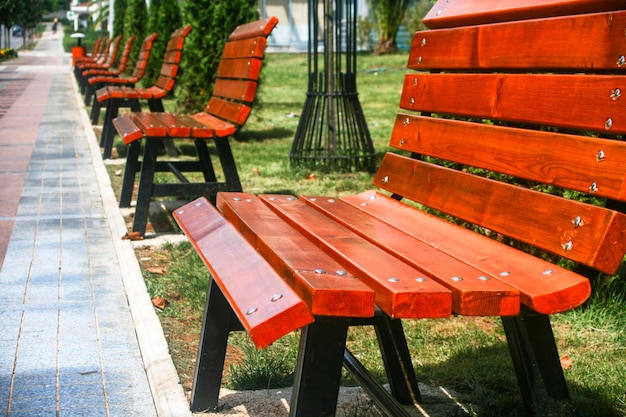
(132,236)
(255,171)
(156,270)
(159,302)
(566,362)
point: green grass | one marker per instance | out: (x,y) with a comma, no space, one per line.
(463,353)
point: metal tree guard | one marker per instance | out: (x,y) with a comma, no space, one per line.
(332,133)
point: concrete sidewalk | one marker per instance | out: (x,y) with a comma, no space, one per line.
(78,333)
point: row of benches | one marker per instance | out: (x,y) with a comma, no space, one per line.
(225,113)
(510,107)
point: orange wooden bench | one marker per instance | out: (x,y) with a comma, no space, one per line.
(105,61)
(98,82)
(503,118)
(109,72)
(115,97)
(227,110)
(96,52)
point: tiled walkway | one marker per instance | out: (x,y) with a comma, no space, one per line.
(70,327)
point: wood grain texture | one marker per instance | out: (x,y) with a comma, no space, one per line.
(319,280)
(265,304)
(399,291)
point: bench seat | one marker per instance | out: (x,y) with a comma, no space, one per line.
(225,113)
(504,196)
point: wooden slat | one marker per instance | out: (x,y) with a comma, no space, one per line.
(239,90)
(262,27)
(265,304)
(568,161)
(568,101)
(316,278)
(246,68)
(214,126)
(234,112)
(169,70)
(150,124)
(245,48)
(398,292)
(542,220)
(172,57)
(474,292)
(176,127)
(152,92)
(589,43)
(447,13)
(127,129)
(544,287)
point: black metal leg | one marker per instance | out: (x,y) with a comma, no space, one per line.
(537,365)
(204,159)
(218,321)
(382,398)
(397,360)
(95,109)
(108,131)
(318,370)
(156,105)
(228,164)
(146,182)
(107,135)
(130,171)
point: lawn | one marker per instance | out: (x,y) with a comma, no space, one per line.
(466,354)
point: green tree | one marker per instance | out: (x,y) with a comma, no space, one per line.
(212,22)
(388,15)
(164,18)
(119,10)
(135,23)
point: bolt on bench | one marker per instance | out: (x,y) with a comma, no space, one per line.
(517,115)
(226,112)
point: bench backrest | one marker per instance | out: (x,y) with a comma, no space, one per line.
(123,61)
(518,136)
(142,59)
(113,49)
(171,59)
(238,71)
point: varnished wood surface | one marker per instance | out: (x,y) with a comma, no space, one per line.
(319,280)
(446,13)
(265,304)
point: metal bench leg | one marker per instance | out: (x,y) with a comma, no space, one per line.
(228,165)
(106,137)
(130,172)
(318,370)
(156,105)
(95,112)
(537,365)
(204,159)
(218,321)
(146,182)
(108,131)
(397,360)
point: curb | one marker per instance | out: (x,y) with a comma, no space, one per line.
(167,391)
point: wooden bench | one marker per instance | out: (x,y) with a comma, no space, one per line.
(115,97)
(225,113)
(108,68)
(103,62)
(99,82)
(108,72)
(96,52)
(504,117)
